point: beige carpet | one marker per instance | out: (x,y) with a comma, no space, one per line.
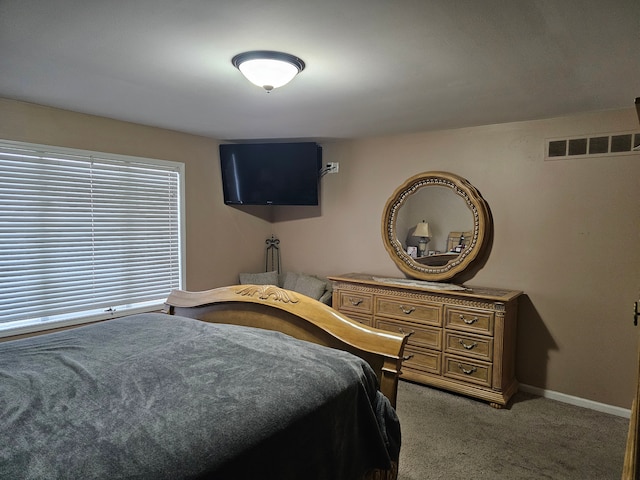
(449,437)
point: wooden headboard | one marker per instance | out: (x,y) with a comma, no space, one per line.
(273,308)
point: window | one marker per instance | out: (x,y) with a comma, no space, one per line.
(85,236)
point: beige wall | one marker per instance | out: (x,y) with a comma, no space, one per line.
(220,240)
(566,232)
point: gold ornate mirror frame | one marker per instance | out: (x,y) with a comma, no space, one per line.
(474,248)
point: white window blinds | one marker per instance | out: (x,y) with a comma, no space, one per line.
(85,235)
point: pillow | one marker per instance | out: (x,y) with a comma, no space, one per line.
(290,280)
(266,278)
(310,286)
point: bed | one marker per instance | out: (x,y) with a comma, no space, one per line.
(247,381)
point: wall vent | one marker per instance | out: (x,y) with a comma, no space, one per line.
(607,144)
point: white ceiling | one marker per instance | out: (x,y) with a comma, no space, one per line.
(373,66)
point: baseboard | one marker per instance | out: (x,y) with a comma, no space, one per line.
(580,402)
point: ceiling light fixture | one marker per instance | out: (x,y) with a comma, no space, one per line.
(268,69)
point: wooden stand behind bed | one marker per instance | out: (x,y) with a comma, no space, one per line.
(273,308)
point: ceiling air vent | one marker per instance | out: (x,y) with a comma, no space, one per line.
(624,143)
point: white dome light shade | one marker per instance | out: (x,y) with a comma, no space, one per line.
(268,73)
(267,69)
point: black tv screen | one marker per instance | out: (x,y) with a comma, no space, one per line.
(271,173)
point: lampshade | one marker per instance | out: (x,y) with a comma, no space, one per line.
(422,230)
(268,69)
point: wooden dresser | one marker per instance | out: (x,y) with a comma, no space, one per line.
(462,341)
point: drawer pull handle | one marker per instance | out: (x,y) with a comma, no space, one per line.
(406,334)
(468,321)
(468,347)
(407,357)
(406,310)
(467,371)
(355,301)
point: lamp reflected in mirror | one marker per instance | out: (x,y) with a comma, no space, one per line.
(424,234)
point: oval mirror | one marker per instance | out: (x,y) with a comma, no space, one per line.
(435,225)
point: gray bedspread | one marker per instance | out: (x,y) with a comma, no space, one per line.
(154,396)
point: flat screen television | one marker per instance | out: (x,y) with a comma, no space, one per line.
(271,173)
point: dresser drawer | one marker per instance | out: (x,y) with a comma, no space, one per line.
(422,336)
(467,345)
(355,302)
(422,360)
(469,319)
(470,371)
(423,312)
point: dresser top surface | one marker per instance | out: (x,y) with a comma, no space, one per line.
(495,294)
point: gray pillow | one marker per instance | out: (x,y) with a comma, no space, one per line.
(290,280)
(310,286)
(266,278)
